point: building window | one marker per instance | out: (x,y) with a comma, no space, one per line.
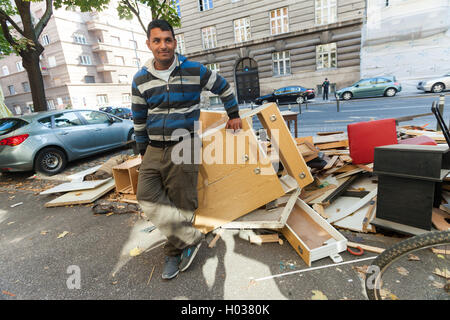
(209,37)
(204,5)
(123,78)
(51,105)
(326,56)
(89,79)
(133,44)
(176,5)
(19,66)
(213,67)
(85,60)
(18,110)
(214,100)
(115,41)
(242,30)
(26,86)
(326,11)
(11,90)
(281,63)
(181,48)
(137,62)
(5,70)
(126,98)
(51,61)
(102,99)
(79,38)
(279,21)
(120,61)
(45,39)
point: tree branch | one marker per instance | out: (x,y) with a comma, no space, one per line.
(5,17)
(6,32)
(136,13)
(44,19)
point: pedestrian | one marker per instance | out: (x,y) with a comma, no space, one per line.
(325,86)
(165,106)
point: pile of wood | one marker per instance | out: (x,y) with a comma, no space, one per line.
(345,194)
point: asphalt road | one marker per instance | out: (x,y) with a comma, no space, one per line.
(95,258)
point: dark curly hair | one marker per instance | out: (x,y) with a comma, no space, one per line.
(161,24)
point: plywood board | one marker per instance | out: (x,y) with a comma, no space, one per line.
(332,145)
(73,186)
(82,197)
(330,138)
(271,119)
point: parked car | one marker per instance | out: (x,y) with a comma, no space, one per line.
(370,87)
(124,113)
(47,141)
(292,94)
(435,85)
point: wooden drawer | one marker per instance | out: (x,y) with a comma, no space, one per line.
(312,237)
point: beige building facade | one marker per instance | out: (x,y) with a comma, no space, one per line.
(89,61)
(262,45)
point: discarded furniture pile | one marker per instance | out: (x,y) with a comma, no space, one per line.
(374,175)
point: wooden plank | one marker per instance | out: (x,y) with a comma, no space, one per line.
(356,206)
(329,133)
(346,158)
(311,195)
(265,238)
(365,247)
(343,175)
(336,152)
(331,162)
(82,197)
(290,156)
(301,140)
(332,145)
(330,138)
(369,215)
(438,219)
(216,238)
(320,210)
(74,186)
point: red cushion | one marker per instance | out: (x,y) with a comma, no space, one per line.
(363,137)
(421,140)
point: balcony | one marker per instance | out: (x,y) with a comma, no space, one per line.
(106,68)
(95,25)
(101,47)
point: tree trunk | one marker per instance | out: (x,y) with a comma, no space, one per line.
(31,64)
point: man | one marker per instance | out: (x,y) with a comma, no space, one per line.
(325,86)
(165,105)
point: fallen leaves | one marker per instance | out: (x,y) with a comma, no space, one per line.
(318,295)
(442,273)
(403,271)
(438,285)
(44,232)
(412,257)
(386,294)
(62,235)
(135,252)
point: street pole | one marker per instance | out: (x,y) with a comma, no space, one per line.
(337,101)
(441,110)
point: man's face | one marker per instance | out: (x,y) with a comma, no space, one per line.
(163,45)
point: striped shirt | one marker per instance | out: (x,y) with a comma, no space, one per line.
(161,107)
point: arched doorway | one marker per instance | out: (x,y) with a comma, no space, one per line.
(247,80)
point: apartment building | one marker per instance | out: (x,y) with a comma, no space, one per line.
(262,45)
(89,61)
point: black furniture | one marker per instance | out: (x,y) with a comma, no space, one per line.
(409,185)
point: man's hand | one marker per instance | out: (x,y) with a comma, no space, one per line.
(234,124)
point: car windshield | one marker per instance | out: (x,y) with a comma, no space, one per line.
(8,125)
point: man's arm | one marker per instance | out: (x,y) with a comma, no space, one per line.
(139,110)
(212,81)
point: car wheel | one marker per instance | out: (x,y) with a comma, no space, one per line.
(300,100)
(347,95)
(437,87)
(390,92)
(131,135)
(50,161)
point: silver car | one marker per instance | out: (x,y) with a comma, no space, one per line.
(46,141)
(435,85)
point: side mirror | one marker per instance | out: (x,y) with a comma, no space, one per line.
(111,120)
(357,86)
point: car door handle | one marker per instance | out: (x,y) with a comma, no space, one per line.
(63,133)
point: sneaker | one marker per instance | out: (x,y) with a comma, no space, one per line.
(171,267)
(188,255)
